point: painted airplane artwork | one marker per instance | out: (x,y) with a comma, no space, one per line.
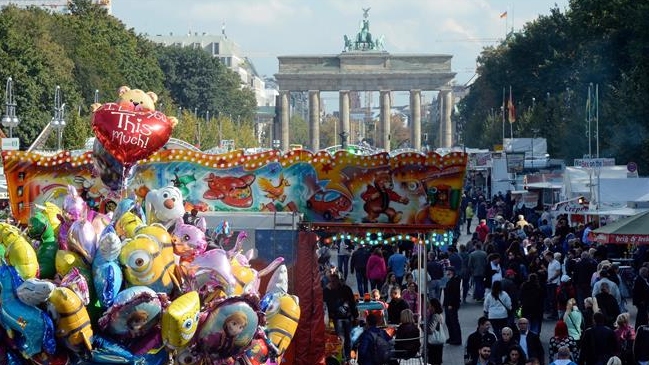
(409,188)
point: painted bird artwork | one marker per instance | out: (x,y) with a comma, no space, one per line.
(274,192)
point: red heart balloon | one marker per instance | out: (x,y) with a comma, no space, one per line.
(130,135)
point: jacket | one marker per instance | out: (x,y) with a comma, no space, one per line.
(359,260)
(366,345)
(494,308)
(478,263)
(407,342)
(452,293)
(376,269)
(598,344)
(534,345)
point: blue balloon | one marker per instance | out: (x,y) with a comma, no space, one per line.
(108,279)
(35,333)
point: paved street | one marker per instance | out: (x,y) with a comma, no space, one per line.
(469,314)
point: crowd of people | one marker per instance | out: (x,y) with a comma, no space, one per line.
(525,269)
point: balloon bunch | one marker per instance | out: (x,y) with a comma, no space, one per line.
(138,287)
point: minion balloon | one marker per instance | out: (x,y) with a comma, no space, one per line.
(71,319)
(144,264)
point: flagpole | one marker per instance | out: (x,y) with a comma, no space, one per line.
(503,113)
(511,105)
(588,116)
(597,120)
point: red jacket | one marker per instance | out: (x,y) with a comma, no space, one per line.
(482,230)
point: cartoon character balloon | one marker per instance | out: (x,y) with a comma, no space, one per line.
(164,205)
(180,320)
(228,329)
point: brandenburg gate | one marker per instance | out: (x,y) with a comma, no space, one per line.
(365,66)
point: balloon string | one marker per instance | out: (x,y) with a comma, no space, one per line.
(125,173)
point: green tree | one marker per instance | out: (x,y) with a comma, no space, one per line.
(196,80)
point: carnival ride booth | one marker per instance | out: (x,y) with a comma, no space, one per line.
(262,211)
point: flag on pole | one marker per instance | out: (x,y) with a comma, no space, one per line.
(510,107)
(503,15)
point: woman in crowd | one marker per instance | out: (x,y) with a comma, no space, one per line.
(411,296)
(386,288)
(435,311)
(515,356)
(590,307)
(625,335)
(560,339)
(574,321)
(496,306)
(375,270)
(407,342)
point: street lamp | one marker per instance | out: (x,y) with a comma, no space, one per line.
(58,121)
(9,119)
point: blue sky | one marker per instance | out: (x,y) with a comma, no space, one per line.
(265,29)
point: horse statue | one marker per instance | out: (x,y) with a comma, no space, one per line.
(379,44)
(364,36)
(34,325)
(348,44)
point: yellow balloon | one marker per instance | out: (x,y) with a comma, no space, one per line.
(180,320)
(281,321)
(127,224)
(19,253)
(144,263)
(66,260)
(71,319)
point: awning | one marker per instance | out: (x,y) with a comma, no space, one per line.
(629,230)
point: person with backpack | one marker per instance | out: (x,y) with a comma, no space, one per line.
(374,346)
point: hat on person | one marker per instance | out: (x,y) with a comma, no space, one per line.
(510,272)
(565,278)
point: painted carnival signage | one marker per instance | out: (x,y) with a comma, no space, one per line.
(410,188)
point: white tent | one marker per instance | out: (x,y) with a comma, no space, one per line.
(612,186)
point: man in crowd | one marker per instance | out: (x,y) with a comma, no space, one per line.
(598,343)
(396,305)
(641,296)
(478,269)
(482,336)
(357,265)
(397,264)
(484,356)
(583,274)
(529,341)
(341,308)
(554,277)
(452,298)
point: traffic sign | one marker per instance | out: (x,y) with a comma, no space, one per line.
(10,144)
(632,167)
(594,162)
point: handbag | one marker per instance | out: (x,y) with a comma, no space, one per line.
(436,335)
